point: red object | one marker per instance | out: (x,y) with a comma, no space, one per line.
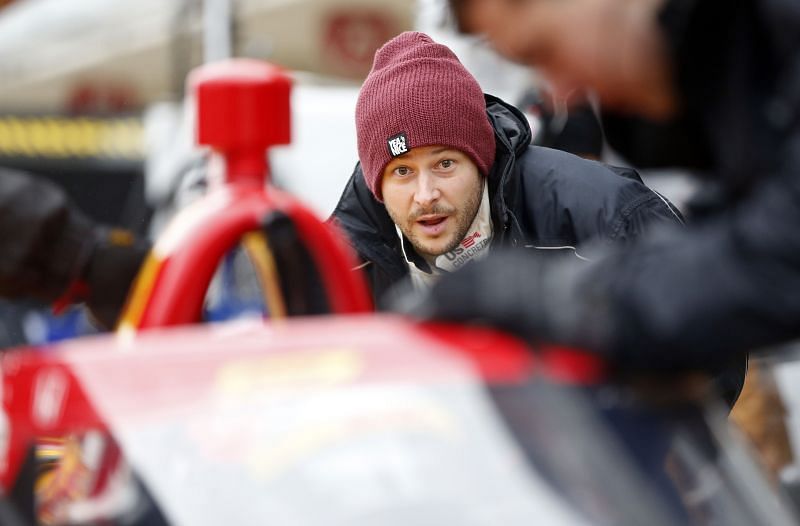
(76,292)
(41,398)
(515,361)
(572,366)
(108,383)
(500,357)
(190,250)
(243,109)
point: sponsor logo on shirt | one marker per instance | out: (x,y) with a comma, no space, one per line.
(469,241)
(469,246)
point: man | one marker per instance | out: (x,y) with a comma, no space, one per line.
(446,174)
(716,87)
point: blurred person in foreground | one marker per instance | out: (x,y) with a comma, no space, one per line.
(712,86)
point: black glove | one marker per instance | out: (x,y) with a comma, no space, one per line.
(110,271)
(44,243)
(541,300)
(556,301)
(47,246)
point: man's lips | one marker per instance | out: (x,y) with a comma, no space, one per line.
(432,225)
(431,219)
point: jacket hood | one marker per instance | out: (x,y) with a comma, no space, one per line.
(512,138)
(511,129)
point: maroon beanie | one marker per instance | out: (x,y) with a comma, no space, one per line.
(419,94)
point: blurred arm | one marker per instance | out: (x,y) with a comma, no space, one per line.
(679,297)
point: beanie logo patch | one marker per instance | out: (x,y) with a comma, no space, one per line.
(398,144)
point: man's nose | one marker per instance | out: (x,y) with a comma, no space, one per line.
(427,189)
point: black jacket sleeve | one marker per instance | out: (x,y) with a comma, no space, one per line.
(728,285)
(680,297)
(644,210)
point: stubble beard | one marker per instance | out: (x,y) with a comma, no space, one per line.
(463,219)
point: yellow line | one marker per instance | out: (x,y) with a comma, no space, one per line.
(140,294)
(257,248)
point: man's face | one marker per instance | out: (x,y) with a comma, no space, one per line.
(432,194)
(612,47)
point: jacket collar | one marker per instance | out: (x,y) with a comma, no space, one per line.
(512,137)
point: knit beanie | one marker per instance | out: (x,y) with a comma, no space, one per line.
(419,94)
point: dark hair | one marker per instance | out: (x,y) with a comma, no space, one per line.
(457,10)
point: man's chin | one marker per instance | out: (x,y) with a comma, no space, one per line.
(432,250)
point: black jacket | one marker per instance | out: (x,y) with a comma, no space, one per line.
(44,244)
(541,199)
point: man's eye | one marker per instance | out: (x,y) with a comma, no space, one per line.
(402,171)
(446,163)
